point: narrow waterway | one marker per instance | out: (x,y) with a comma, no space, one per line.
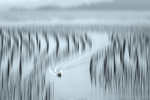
(75,82)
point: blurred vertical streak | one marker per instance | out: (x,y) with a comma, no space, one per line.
(20,67)
(47,41)
(29,38)
(12,55)
(105,71)
(68,44)
(16,40)
(20,34)
(8,69)
(1,32)
(37,41)
(39,46)
(2,41)
(91,70)
(88,40)
(1,48)
(57,44)
(32,44)
(83,43)
(76,43)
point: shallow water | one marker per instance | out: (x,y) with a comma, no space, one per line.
(75,81)
(31,60)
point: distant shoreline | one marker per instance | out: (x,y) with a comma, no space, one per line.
(75,22)
(74,16)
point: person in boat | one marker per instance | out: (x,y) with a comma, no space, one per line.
(59,74)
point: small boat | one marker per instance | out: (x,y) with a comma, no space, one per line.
(59,74)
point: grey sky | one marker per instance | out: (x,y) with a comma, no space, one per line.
(38,3)
(78,4)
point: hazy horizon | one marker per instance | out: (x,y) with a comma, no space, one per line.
(139,5)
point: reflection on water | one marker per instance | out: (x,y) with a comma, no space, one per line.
(27,54)
(123,68)
(75,81)
(93,64)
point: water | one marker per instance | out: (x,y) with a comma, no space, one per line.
(31,58)
(75,81)
(36,56)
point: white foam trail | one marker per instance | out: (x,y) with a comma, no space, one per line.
(55,72)
(66,63)
(74,61)
(52,71)
(60,64)
(71,63)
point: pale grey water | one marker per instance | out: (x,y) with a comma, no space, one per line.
(75,82)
